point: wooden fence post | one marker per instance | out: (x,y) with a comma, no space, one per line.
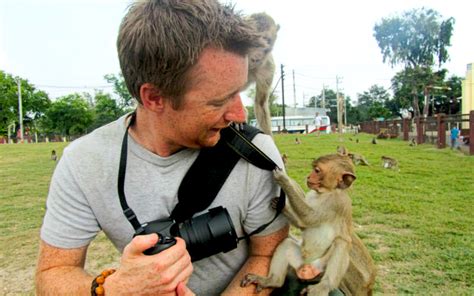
(471,132)
(441,131)
(405,129)
(419,131)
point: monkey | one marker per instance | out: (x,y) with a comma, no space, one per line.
(261,67)
(297,141)
(358,159)
(341,150)
(412,142)
(54,157)
(357,141)
(374,140)
(329,244)
(284,157)
(390,163)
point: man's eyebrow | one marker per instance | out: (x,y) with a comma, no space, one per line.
(227,96)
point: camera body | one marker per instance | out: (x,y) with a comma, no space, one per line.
(205,235)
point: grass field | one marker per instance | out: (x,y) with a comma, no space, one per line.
(417,223)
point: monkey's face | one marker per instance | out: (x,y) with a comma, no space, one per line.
(316,179)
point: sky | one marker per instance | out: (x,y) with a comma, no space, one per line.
(66,46)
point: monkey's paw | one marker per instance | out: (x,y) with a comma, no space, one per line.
(279,175)
(252,279)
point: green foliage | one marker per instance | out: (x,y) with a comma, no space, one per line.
(415,38)
(68,115)
(34,102)
(120,89)
(105,110)
(373,103)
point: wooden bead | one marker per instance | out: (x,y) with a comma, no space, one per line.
(99,290)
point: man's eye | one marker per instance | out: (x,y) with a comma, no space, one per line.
(218,103)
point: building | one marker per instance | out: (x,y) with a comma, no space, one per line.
(467,93)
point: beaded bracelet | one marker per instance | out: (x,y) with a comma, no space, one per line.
(97,287)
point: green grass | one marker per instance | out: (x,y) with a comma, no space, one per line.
(417,223)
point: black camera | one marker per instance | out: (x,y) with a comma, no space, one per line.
(205,235)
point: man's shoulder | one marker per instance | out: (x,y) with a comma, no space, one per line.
(265,143)
(99,141)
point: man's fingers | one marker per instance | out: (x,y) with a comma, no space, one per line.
(183,290)
(140,243)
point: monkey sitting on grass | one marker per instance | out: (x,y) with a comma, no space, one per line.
(329,245)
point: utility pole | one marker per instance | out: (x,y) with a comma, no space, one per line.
(20,111)
(294,92)
(339,107)
(323,103)
(283,96)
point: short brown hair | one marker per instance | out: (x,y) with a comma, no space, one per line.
(160,40)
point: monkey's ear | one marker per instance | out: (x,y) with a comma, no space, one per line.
(347,179)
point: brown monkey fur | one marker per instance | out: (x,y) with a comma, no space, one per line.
(357,159)
(328,243)
(262,67)
(389,163)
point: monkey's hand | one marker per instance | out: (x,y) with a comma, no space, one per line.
(252,279)
(280,176)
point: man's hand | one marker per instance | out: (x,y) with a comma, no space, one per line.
(165,273)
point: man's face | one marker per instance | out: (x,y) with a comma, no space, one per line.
(212,102)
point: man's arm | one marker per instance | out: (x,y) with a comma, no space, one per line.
(61,271)
(261,251)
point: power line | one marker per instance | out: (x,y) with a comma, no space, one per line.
(75,87)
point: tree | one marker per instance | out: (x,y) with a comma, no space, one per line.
(330,102)
(105,110)
(69,115)
(121,90)
(416,39)
(373,103)
(34,103)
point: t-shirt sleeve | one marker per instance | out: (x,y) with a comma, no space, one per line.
(69,221)
(263,189)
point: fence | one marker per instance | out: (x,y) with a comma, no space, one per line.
(433,130)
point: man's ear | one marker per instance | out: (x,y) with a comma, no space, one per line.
(151,97)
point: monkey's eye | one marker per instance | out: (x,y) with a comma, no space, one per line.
(317,170)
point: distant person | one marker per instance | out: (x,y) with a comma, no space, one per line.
(317,122)
(454,137)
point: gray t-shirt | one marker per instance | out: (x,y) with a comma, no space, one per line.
(83,198)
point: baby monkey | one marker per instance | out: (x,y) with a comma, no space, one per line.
(328,242)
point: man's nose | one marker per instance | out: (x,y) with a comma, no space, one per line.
(236,112)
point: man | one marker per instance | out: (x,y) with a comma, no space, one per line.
(454,137)
(317,123)
(185,62)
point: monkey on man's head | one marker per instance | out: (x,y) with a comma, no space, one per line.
(329,245)
(262,67)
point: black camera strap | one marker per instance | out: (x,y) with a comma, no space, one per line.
(206,175)
(212,167)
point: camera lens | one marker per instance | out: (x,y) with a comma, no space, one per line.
(207,234)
